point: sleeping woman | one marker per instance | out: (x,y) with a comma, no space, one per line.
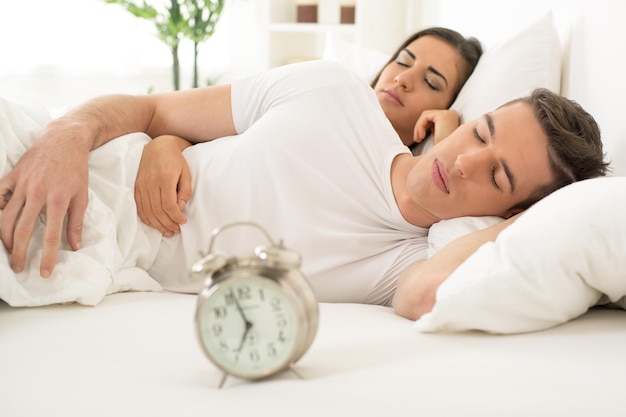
(414,89)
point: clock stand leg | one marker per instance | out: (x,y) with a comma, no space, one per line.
(223,380)
(296,373)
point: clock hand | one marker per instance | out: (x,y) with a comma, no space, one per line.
(245,319)
(243,315)
(243,338)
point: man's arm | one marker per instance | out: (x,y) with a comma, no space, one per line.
(417,286)
(51,178)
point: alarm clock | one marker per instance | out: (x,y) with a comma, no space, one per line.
(256,315)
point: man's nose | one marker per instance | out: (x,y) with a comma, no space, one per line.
(468,163)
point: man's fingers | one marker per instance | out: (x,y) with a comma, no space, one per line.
(24,226)
(55,215)
(184,192)
(8,219)
(166,209)
(148,204)
(75,217)
(5,196)
(144,210)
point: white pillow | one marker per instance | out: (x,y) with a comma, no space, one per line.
(509,70)
(365,62)
(564,255)
(512,69)
(445,231)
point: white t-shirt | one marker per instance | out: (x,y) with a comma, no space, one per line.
(311,164)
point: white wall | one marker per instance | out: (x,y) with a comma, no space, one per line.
(62,52)
(494,20)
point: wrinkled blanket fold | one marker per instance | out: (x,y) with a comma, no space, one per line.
(116,248)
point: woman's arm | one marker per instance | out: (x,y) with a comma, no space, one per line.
(51,178)
(163,184)
(417,286)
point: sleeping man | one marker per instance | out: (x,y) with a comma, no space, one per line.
(306,152)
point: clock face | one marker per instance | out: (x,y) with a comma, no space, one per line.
(248,326)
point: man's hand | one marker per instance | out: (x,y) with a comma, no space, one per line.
(163,184)
(416,290)
(50,179)
(440,122)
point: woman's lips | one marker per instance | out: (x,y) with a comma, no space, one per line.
(439,177)
(391,96)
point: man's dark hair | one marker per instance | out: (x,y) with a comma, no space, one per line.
(574,142)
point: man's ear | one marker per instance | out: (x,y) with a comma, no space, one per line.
(513,212)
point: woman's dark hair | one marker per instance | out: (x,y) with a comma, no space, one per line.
(470,50)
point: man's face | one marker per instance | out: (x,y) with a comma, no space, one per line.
(484,168)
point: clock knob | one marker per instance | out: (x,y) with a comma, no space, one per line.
(209,263)
(278,257)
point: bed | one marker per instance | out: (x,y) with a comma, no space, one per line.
(136,354)
(525,327)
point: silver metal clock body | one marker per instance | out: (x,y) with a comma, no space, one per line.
(257,315)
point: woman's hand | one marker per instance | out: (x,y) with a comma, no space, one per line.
(163,184)
(440,122)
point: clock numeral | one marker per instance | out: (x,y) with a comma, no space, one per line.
(220,312)
(261,294)
(281,321)
(254,355)
(223,346)
(275,303)
(217,330)
(229,298)
(271,349)
(243,292)
(281,336)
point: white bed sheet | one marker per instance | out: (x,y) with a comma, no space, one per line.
(136,355)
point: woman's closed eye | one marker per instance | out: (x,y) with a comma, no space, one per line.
(433,85)
(432,79)
(404,59)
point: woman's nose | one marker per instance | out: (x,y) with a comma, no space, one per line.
(404,80)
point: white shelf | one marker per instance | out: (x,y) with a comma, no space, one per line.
(379,25)
(312,28)
(288,41)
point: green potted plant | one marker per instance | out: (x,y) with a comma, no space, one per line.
(203,17)
(192,19)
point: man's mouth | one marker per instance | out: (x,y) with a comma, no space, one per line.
(439,177)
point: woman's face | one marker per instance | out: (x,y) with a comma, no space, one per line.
(424,76)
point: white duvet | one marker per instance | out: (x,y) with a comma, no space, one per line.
(116,247)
